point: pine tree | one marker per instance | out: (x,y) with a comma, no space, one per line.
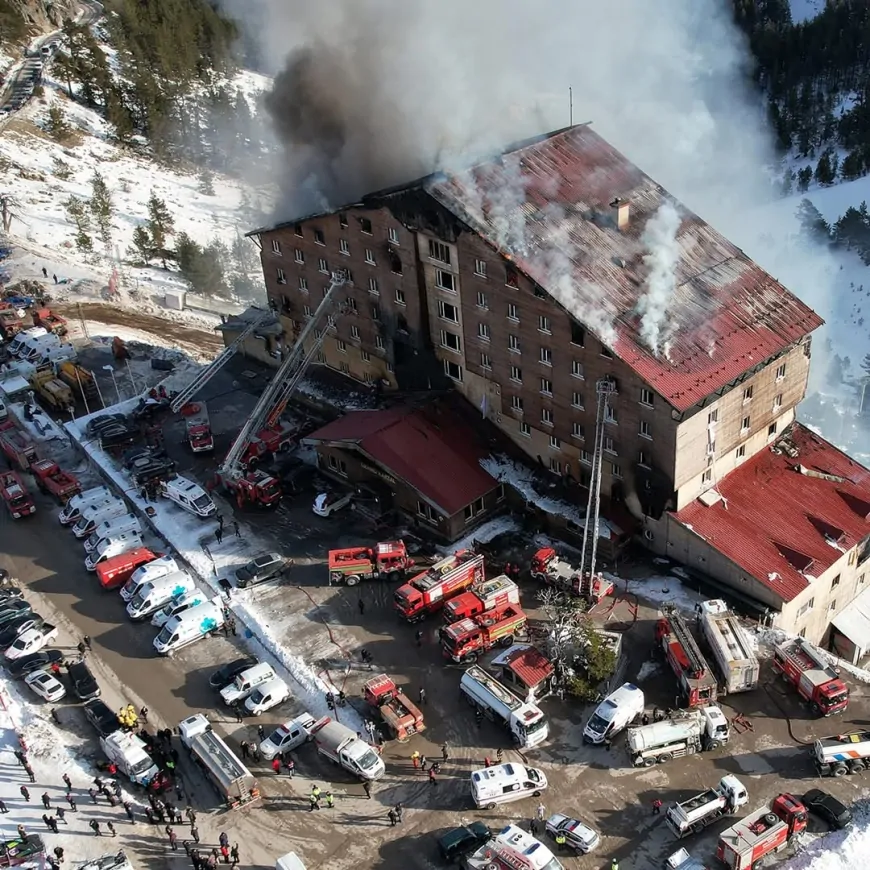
(206,182)
(804,177)
(79,213)
(824,173)
(865,365)
(143,247)
(102,209)
(56,125)
(161,226)
(811,220)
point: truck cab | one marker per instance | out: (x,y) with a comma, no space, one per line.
(341,745)
(764,832)
(18,500)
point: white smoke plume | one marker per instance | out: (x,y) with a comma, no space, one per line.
(660,239)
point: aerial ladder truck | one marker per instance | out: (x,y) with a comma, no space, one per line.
(237,474)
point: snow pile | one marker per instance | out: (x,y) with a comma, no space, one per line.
(840,850)
(483,534)
(659,590)
(771,636)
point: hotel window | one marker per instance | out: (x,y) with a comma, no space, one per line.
(344,368)
(322,265)
(615,470)
(577,431)
(513,313)
(646,397)
(393,235)
(282,278)
(526,430)
(578,334)
(771,430)
(645,429)
(576,368)
(400,296)
(516,403)
(365,225)
(298,256)
(351,304)
(555,464)
(439,252)
(606,352)
(483,331)
(373,286)
(480,268)
(319,238)
(586,457)
(777,402)
(444,281)
(485,361)
(306,310)
(276,246)
(338,465)
(298,230)
(516,374)
(452,370)
(546,416)
(342,347)
(780,372)
(713,417)
(747,394)
(344,247)
(303,283)
(376,312)
(577,400)
(544,324)
(379,342)
(643,458)
(609,446)
(744,426)
(546,356)
(451,341)
(514,343)
(354,332)
(370,257)
(446,311)
(741,451)
(511,277)
(365,356)
(482,301)
(610,415)
(546,387)
(555,443)
(342,221)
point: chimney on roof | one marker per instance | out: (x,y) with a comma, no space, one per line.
(621,213)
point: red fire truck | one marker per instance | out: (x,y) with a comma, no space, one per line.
(764,832)
(198,427)
(492,594)
(427,592)
(550,568)
(465,640)
(815,680)
(384,561)
(18,448)
(17,498)
(399,713)
(697,681)
(51,478)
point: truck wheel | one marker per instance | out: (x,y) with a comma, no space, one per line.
(857,767)
(840,770)
(770,819)
(815,709)
(351,579)
(713,744)
(507,641)
(490,806)
(665,757)
(394,577)
(536,794)
(647,762)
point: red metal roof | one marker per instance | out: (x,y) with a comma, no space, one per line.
(438,457)
(551,215)
(785,517)
(531,666)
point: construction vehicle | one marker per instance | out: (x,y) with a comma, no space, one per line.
(731,649)
(52,479)
(465,640)
(492,594)
(683,733)
(697,681)
(13,492)
(845,753)
(82,382)
(197,427)
(265,417)
(550,568)
(766,831)
(55,392)
(693,815)
(388,560)
(798,663)
(400,715)
(428,591)
(17,448)
(526,722)
(50,321)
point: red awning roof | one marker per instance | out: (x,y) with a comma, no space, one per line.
(530,666)
(788,513)
(437,456)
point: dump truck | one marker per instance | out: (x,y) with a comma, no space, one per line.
(388,560)
(50,321)
(15,495)
(691,816)
(428,591)
(762,833)
(492,594)
(55,392)
(17,448)
(52,479)
(684,733)
(197,427)
(526,722)
(235,784)
(550,568)
(845,753)
(698,684)
(730,646)
(400,715)
(465,640)
(808,671)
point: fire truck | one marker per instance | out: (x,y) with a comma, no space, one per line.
(550,568)
(465,640)
(388,560)
(492,594)
(815,680)
(427,592)
(198,427)
(697,682)
(17,498)
(401,716)
(764,832)
(51,478)
(17,448)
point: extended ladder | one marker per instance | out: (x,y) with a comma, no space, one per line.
(187,393)
(274,398)
(687,642)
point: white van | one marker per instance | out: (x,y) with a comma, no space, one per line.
(189,495)
(178,605)
(266,696)
(111,529)
(74,507)
(55,354)
(504,783)
(247,681)
(90,517)
(189,627)
(35,348)
(147,573)
(25,339)
(615,713)
(110,547)
(154,595)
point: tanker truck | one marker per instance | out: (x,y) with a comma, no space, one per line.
(685,733)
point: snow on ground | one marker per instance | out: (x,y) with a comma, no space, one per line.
(659,590)
(104,333)
(483,534)
(648,669)
(194,539)
(51,753)
(766,639)
(839,850)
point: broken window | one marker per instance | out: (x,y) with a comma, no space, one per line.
(298,230)
(395,262)
(453,370)
(342,220)
(450,340)
(578,334)
(444,280)
(439,251)
(511,277)
(319,238)
(446,311)
(365,225)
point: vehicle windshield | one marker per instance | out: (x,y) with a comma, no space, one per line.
(256,697)
(18,501)
(137,602)
(203,503)
(533,774)
(597,724)
(164,636)
(837,699)
(141,766)
(368,760)
(534,727)
(552,864)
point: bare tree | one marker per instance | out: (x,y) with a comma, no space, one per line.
(8,210)
(564,629)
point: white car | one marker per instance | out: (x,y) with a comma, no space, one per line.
(47,686)
(266,696)
(327,503)
(31,641)
(288,736)
(578,836)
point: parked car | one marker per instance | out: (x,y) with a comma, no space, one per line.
(83,682)
(578,836)
(104,421)
(225,674)
(827,807)
(10,630)
(27,665)
(266,696)
(327,503)
(12,609)
(456,844)
(102,717)
(30,641)
(265,567)
(46,685)
(288,736)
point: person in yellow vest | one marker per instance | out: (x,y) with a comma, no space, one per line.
(561,841)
